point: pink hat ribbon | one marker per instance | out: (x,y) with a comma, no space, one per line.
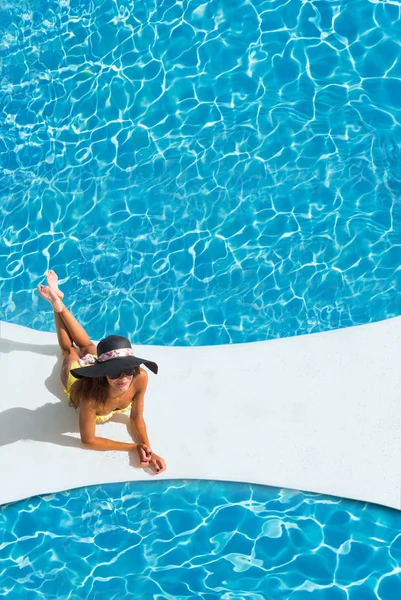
(90,359)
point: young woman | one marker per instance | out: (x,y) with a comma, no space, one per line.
(103,381)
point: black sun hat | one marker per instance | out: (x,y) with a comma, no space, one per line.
(114,354)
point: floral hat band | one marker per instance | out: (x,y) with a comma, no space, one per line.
(91,359)
(115,354)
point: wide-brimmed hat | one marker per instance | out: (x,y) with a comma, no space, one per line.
(114,354)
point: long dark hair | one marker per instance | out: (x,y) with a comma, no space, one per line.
(91,388)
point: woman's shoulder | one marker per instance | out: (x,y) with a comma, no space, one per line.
(87,404)
(139,382)
(142,377)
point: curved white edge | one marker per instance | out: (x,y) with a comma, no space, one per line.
(318,413)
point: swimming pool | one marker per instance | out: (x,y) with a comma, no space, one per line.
(203,173)
(198,539)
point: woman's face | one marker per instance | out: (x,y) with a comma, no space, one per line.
(121,384)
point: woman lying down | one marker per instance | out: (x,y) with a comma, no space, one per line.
(103,381)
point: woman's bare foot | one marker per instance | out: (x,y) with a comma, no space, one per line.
(52,280)
(48,294)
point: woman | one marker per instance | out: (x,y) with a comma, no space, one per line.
(106,381)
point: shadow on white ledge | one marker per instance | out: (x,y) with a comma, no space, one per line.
(318,413)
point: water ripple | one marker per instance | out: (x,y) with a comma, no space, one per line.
(205,172)
(197,539)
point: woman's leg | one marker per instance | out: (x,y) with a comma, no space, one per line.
(77,332)
(70,354)
(69,331)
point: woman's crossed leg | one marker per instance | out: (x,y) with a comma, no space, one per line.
(69,331)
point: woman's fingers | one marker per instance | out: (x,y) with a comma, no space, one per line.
(146,449)
(145,454)
(147,458)
(160,465)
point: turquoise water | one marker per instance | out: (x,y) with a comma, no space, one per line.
(197,539)
(205,173)
(200,173)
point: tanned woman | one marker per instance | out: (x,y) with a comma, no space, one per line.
(102,380)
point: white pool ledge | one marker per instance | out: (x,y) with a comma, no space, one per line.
(317,413)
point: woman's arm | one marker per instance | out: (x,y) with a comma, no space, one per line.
(138,424)
(137,421)
(87,428)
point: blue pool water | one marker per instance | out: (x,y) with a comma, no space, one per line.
(197,539)
(200,173)
(205,173)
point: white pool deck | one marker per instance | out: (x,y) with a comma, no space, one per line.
(318,413)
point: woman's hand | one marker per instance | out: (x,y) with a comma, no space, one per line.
(144,453)
(157,463)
